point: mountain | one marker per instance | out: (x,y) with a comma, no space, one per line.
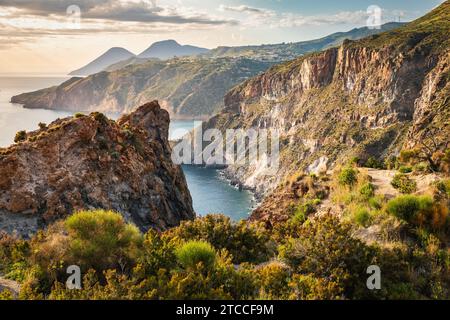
(110,57)
(91,162)
(169,49)
(190,87)
(288,51)
(367,98)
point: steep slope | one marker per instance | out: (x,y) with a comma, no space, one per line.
(112,56)
(288,51)
(169,49)
(185,87)
(371,97)
(88,162)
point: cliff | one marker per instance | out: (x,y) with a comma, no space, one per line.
(88,162)
(371,97)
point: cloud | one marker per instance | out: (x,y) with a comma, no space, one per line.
(27,20)
(113,10)
(347,17)
(243,8)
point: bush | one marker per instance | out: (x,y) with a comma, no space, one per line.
(158,253)
(246,242)
(421,167)
(367,190)
(407,207)
(274,279)
(308,287)
(362,217)
(20,136)
(42,125)
(419,211)
(444,187)
(192,253)
(325,248)
(348,176)
(374,163)
(100,117)
(78,115)
(101,239)
(402,183)
(375,203)
(405,169)
(409,156)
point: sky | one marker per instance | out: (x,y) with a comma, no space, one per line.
(57,36)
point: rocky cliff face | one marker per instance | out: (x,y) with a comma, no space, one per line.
(371,97)
(88,162)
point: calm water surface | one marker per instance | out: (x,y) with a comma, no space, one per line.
(210,193)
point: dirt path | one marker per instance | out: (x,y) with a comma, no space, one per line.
(382,181)
(10,285)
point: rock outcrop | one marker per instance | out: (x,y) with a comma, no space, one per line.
(371,97)
(88,162)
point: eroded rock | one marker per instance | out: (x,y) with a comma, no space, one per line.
(89,162)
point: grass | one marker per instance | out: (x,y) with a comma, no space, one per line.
(193,253)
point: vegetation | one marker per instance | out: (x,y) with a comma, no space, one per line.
(419,211)
(403,183)
(319,258)
(348,176)
(20,136)
(193,253)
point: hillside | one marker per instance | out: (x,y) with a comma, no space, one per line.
(288,51)
(368,98)
(112,56)
(186,87)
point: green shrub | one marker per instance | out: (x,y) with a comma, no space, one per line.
(409,156)
(20,136)
(375,203)
(325,248)
(348,176)
(101,239)
(42,125)
(303,210)
(158,253)
(403,183)
(362,217)
(421,167)
(274,279)
(246,242)
(367,190)
(192,253)
(374,163)
(444,187)
(405,169)
(78,115)
(408,207)
(308,287)
(100,117)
